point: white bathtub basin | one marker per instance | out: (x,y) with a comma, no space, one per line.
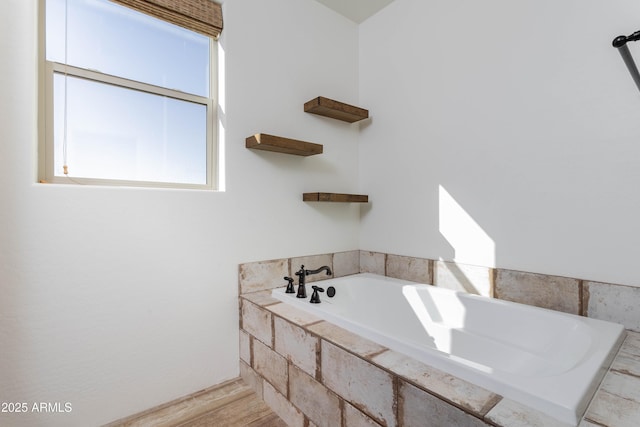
(547,360)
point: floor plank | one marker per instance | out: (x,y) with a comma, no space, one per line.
(248,411)
(231,404)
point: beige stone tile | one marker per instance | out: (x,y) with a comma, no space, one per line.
(585,423)
(409,268)
(615,303)
(466,395)
(626,363)
(293,314)
(281,406)
(622,385)
(347,339)
(297,345)
(251,378)
(261,298)
(262,275)
(257,322)
(419,408)
(319,404)
(271,366)
(245,347)
(609,409)
(631,344)
(313,262)
(467,278)
(346,263)
(355,418)
(372,262)
(617,402)
(367,387)
(540,290)
(512,414)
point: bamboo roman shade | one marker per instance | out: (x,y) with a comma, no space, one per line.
(203,16)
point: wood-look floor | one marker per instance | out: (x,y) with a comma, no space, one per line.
(232,404)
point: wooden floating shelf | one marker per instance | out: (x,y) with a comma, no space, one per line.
(335,110)
(335,197)
(278,144)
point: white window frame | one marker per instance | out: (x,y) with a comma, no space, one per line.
(46,110)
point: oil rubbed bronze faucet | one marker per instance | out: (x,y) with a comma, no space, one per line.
(302,275)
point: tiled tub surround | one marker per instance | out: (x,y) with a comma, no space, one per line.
(292,358)
(547,360)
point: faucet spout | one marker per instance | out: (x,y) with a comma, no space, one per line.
(323,268)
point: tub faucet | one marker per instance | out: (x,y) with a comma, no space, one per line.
(302,275)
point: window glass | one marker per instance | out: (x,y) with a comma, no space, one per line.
(127,99)
(125,134)
(116,40)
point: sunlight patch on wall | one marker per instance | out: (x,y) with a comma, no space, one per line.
(471,244)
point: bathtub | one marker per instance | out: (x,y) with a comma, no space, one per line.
(550,361)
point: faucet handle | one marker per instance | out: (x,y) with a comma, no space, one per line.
(315,298)
(290,289)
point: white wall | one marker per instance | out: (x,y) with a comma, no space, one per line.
(117,299)
(504,134)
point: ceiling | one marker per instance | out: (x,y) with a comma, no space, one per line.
(356,10)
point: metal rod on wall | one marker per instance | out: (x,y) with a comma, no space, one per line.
(620,43)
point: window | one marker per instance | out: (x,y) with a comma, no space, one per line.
(128,98)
